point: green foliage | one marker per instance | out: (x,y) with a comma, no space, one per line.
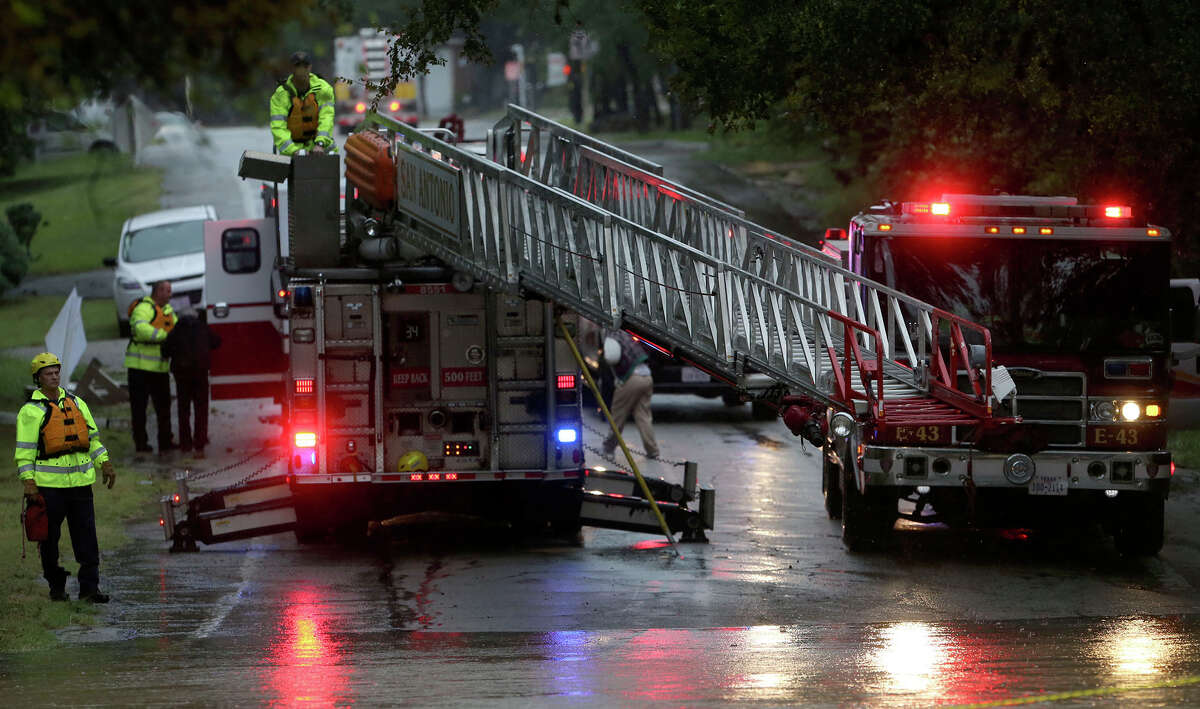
(24,220)
(103,190)
(15,145)
(1094,99)
(14,262)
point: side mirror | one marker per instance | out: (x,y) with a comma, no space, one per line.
(110,261)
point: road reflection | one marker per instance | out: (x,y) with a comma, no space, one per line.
(306,663)
(1139,648)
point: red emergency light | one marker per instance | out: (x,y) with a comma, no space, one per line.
(1045,230)
(566,381)
(304,386)
(1115,212)
(306,439)
(282,293)
(938,209)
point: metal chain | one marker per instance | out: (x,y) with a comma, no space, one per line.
(217,471)
(601,435)
(261,469)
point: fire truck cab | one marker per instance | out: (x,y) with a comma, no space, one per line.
(1074,299)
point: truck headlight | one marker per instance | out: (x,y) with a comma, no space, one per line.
(841,424)
(1131,411)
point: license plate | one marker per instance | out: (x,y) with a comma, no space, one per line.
(691,374)
(1048,483)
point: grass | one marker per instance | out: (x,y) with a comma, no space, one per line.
(27,617)
(1185,448)
(27,318)
(84,200)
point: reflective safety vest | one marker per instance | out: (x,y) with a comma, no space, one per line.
(148,328)
(290,111)
(63,428)
(32,454)
(302,119)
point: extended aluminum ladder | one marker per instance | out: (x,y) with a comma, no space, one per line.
(600,231)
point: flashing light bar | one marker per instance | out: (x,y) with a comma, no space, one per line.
(1045,230)
(885,227)
(306,439)
(304,386)
(567,435)
(1118,212)
(1153,232)
(566,381)
(1018,230)
(940,208)
(992,230)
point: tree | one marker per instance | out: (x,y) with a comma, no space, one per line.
(14,262)
(60,51)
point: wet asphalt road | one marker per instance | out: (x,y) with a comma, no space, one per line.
(773,611)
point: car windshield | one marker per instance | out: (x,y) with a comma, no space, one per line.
(1033,295)
(163,241)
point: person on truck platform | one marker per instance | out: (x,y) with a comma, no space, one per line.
(58,448)
(302,111)
(151,320)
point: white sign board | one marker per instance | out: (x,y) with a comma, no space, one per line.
(430,190)
(66,337)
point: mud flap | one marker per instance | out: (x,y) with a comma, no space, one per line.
(252,509)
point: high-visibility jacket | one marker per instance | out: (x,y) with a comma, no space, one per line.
(286,101)
(148,328)
(70,469)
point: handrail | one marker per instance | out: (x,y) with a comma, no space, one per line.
(517,232)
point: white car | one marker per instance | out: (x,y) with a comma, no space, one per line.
(163,245)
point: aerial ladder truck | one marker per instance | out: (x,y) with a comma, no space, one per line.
(432,319)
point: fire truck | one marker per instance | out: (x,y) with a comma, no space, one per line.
(424,303)
(1074,307)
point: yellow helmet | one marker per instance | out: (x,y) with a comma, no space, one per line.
(412,462)
(41,361)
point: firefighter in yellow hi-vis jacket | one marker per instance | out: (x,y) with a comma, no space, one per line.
(58,449)
(302,111)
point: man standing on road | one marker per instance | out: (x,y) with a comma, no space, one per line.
(58,447)
(634,389)
(149,323)
(188,348)
(302,111)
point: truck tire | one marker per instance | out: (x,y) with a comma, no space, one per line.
(1141,526)
(831,487)
(867,520)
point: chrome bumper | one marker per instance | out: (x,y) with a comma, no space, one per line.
(950,467)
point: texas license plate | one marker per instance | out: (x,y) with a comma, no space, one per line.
(691,374)
(1048,483)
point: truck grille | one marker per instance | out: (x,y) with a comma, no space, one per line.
(1057,401)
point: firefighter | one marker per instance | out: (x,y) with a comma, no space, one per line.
(58,449)
(634,389)
(302,111)
(151,320)
(189,348)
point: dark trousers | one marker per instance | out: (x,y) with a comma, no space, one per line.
(191,392)
(155,386)
(73,504)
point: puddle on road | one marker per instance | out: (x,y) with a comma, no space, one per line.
(306,657)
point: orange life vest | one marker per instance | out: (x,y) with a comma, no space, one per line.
(160,320)
(302,119)
(64,430)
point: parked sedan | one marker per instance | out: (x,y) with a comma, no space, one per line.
(163,245)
